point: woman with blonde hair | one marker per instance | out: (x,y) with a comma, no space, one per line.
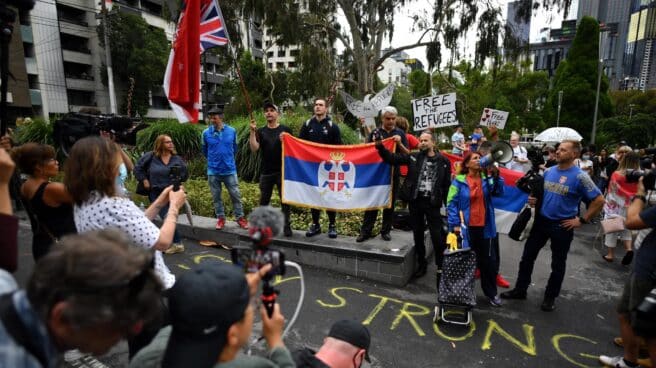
(156,169)
(618,199)
(50,203)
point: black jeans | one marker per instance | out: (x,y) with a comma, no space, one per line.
(486,259)
(316,215)
(388,215)
(267,182)
(421,212)
(545,229)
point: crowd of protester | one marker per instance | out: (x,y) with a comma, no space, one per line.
(100,274)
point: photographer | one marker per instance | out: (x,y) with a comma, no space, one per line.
(635,312)
(156,171)
(212,311)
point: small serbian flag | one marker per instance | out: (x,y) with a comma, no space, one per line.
(507,206)
(338,178)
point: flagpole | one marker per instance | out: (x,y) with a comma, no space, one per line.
(249,107)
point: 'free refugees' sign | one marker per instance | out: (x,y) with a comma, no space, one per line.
(492,117)
(434,111)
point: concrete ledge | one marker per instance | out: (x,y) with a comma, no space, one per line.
(390,262)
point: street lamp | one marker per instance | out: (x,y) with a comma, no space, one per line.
(560,103)
(600,68)
(630,111)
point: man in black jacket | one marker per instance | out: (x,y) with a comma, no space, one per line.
(321,129)
(425,189)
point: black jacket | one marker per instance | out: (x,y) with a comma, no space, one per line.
(305,359)
(415,160)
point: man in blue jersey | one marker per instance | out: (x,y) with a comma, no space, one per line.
(565,186)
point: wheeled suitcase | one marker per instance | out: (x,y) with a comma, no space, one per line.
(456,296)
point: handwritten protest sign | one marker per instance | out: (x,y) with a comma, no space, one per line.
(492,117)
(370,106)
(434,111)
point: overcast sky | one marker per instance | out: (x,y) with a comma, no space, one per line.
(403,34)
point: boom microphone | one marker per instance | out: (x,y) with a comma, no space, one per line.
(265,223)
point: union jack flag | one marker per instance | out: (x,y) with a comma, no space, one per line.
(212,26)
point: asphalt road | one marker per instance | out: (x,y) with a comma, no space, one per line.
(518,334)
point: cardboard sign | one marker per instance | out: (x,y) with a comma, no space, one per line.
(370,106)
(434,112)
(492,117)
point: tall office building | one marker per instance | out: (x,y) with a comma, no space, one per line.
(640,51)
(520,30)
(613,16)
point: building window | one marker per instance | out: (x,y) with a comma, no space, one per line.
(270,66)
(270,54)
(267,43)
(291,64)
(294,53)
(280,65)
(281,53)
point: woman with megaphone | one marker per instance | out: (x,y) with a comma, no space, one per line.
(471,194)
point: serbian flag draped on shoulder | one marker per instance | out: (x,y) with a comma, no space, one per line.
(339,178)
(507,206)
(200,27)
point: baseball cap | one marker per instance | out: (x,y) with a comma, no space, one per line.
(204,302)
(268,104)
(355,333)
(215,111)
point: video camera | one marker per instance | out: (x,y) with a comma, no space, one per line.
(264,223)
(75,126)
(649,178)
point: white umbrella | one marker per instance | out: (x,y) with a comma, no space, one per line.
(558,135)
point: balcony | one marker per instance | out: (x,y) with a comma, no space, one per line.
(212,78)
(80,84)
(30,66)
(26,34)
(35,97)
(78,57)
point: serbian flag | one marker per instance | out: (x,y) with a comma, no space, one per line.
(338,178)
(507,206)
(200,27)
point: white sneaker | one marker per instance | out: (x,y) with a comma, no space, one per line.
(615,362)
(175,248)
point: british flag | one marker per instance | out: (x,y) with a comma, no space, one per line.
(212,26)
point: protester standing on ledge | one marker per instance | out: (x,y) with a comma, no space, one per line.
(425,189)
(564,187)
(220,148)
(268,140)
(458,141)
(387,129)
(321,129)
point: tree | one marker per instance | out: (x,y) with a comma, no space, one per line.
(138,51)
(577,78)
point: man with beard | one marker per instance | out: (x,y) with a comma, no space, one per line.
(268,140)
(425,189)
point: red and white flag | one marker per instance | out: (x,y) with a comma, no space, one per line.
(200,27)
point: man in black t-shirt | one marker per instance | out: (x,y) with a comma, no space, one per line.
(267,139)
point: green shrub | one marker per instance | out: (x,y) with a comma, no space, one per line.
(200,199)
(197,167)
(186,137)
(38,131)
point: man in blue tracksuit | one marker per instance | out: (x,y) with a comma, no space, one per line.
(219,148)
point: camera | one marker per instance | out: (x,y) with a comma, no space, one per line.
(251,260)
(644,316)
(649,177)
(175,176)
(75,126)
